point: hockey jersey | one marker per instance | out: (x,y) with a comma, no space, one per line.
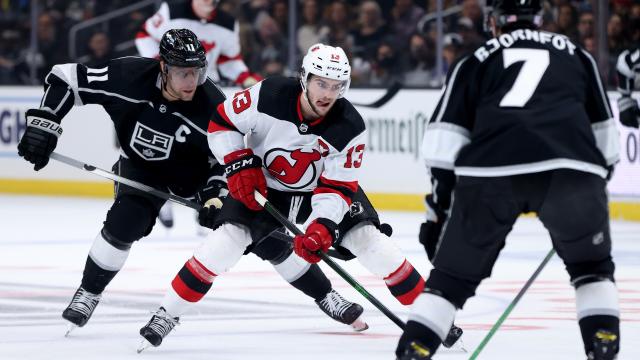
(628,67)
(527,101)
(166,138)
(218,35)
(322,156)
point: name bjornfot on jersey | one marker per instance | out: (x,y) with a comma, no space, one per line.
(558,41)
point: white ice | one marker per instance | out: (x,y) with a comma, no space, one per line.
(251,313)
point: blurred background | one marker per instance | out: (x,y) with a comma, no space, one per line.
(408,42)
(405,40)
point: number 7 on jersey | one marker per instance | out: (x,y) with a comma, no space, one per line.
(536,62)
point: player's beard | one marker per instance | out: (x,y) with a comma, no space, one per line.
(317,111)
(176,94)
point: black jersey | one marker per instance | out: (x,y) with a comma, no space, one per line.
(525,102)
(166,138)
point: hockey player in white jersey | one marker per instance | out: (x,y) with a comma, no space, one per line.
(628,67)
(300,143)
(216,30)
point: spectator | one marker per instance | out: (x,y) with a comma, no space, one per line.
(453,48)
(405,20)
(99,50)
(472,10)
(371,31)
(311,32)
(273,45)
(421,70)
(386,68)
(615,35)
(585,26)
(338,33)
(280,14)
(471,39)
(567,16)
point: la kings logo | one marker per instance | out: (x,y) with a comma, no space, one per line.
(150,144)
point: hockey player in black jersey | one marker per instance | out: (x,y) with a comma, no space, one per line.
(161,111)
(523,125)
(628,67)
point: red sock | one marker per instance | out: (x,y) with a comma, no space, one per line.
(405,283)
(193,281)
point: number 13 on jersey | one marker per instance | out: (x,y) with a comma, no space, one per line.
(354,152)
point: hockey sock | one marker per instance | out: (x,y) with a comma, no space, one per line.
(193,281)
(189,286)
(405,283)
(303,276)
(106,257)
(598,309)
(429,322)
(313,283)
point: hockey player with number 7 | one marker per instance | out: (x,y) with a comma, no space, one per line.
(161,111)
(523,125)
(300,143)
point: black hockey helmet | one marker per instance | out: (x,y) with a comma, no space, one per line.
(181,47)
(510,11)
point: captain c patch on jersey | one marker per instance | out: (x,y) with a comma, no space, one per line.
(150,144)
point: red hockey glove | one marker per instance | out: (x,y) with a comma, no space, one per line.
(244,175)
(319,236)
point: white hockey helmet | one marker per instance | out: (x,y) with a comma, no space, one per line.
(326,61)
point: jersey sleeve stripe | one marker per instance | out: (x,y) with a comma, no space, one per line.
(605,99)
(441,144)
(447,91)
(221,121)
(328,190)
(607,140)
(223,59)
(346,189)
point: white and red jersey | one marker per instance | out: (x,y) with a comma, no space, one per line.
(323,156)
(218,35)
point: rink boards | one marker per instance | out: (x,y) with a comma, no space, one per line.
(393,171)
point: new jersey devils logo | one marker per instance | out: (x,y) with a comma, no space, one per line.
(294,169)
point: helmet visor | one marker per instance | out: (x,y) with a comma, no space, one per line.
(187,75)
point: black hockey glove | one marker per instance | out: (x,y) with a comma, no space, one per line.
(431,229)
(211,198)
(40,138)
(629,111)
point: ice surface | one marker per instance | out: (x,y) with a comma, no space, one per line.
(251,313)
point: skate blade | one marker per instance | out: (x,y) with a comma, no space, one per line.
(359,325)
(144,345)
(459,345)
(70,328)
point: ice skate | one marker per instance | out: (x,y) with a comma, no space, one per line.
(605,346)
(343,310)
(157,329)
(80,309)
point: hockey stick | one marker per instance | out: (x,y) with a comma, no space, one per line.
(391,92)
(509,308)
(294,229)
(146,188)
(132,183)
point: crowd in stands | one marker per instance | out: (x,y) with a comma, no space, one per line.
(381,37)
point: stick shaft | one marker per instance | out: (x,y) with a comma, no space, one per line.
(117,178)
(339,270)
(512,305)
